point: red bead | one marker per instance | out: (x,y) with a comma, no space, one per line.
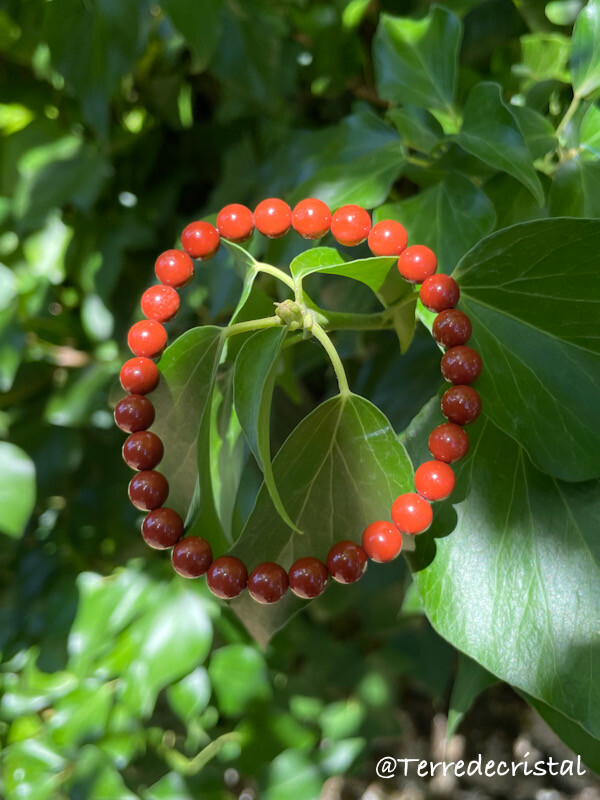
(134,413)
(451,328)
(346,562)
(308,577)
(139,376)
(461,404)
(174,268)
(311,218)
(411,513)
(273,217)
(417,263)
(350,225)
(191,557)
(200,240)
(147,338)
(160,303)
(235,223)
(461,365)
(434,480)
(162,528)
(148,490)
(439,292)
(382,541)
(448,442)
(226,577)
(387,238)
(143,450)
(268,583)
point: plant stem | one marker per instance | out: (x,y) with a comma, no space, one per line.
(334,357)
(252,325)
(276,272)
(570,112)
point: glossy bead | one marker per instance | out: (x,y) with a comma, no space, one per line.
(311,218)
(434,480)
(461,365)
(448,442)
(162,528)
(451,328)
(273,217)
(174,268)
(308,577)
(147,338)
(350,225)
(417,263)
(268,583)
(346,562)
(387,238)
(148,490)
(227,577)
(134,413)
(411,513)
(143,450)
(139,376)
(461,404)
(200,240)
(382,541)
(235,222)
(439,292)
(191,557)
(160,303)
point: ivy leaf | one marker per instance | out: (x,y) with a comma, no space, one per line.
(418,127)
(491,132)
(532,292)
(471,680)
(585,57)
(17,489)
(370,271)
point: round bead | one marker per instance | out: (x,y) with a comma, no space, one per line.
(311,218)
(143,450)
(382,541)
(439,292)
(350,225)
(139,376)
(273,217)
(387,238)
(235,222)
(200,240)
(160,303)
(308,577)
(268,583)
(191,557)
(174,268)
(448,442)
(226,577)
(147,338)
(134,413)
(148,490)
(434,480)
(461,404)
(346,562)
(411,513)
(162,528)
(451,328)
(461,364)
(417,263)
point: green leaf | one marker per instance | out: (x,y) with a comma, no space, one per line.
(199,24)
(545,57)
(31,769)
(575,189)
(238,675)
(491,132)
(589,132)
(370,271)
(418,127)
(17,489)
(563,12)
(585,57)
(471,680)
(537,131)
(191,695)
(416,61)
(532,292)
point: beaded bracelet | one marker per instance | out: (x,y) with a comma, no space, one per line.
(411,513)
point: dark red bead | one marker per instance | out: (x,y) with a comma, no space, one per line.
(439,292)
(268,582)
(162,528)
(346,562)
(143,450)
(451,328)
(227,577)
(148,490)
(160,303)
(191,557)
(448,442)
(134,413)
(461,364)
(461,404)
(308,577)
(139,376)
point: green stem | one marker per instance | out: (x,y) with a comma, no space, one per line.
(334,357)
(276,272)
(570,112)
(252,325)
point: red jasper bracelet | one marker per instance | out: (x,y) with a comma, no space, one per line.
(411,513)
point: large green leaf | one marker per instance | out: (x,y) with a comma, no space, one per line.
(510,570)
(532,292)
(17,489)
(491,132)
(371,271)
(416,61)
(585,56)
